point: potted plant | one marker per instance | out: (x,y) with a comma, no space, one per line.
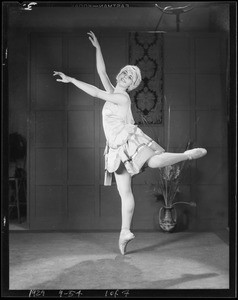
(166,187)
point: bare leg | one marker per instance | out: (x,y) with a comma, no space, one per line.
(168,159)
(127,208)
(123,181)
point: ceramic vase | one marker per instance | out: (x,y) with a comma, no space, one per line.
(167,218)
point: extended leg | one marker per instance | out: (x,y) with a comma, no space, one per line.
(168,159)
(123,181)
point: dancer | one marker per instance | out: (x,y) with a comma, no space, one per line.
(128,150)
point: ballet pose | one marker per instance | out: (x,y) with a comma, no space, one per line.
(128,149)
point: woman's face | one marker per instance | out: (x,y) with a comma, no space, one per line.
(125,79)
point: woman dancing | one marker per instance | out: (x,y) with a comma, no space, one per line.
(128,149)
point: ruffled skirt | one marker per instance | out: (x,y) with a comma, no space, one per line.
(133,153)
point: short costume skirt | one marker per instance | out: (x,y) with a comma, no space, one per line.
(133,153)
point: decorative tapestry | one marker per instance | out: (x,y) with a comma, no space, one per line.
(146,52)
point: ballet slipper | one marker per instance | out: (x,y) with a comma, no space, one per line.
(125,238)
(195,153)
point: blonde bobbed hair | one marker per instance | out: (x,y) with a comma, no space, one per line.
(136,76)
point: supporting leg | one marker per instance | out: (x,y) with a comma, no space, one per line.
(123,181)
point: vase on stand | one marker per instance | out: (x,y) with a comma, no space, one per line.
(167,218)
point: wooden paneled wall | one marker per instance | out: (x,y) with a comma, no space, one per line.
(195,90)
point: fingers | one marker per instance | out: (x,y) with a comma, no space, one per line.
(91,34)
(90,37)
(60,74)
(57,73)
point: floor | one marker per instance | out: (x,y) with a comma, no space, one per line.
(154,260)
(16,225)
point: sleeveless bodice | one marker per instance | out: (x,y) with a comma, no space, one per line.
(118,123)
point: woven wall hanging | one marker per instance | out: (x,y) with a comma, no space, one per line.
(146,52)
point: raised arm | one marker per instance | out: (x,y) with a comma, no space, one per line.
(101,68)
(92,90)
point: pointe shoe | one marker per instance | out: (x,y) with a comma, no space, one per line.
(195,153)
(125,238)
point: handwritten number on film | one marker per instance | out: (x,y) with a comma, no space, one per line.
(117,293)
(36,293)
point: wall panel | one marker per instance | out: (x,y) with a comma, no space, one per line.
(81,205)
(80,54)
(180,126)
(49,129)
(212,208)
(81,166)
(48,92)
(52,198)
(212,169)
(210,128)
(177,61)
(81,128)
(209,91)
(179,94)
(49,52)
(110,208)
(207,56)
(115,51)
(49,166)
(77,97)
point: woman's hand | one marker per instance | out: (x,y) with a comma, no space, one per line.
(93,39)
(64,78)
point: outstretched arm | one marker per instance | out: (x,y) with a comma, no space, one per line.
(101,68)
(93,90)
